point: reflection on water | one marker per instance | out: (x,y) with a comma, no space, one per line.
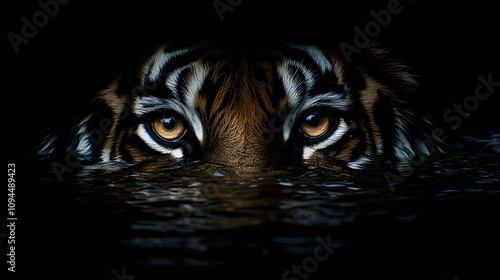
(202,220)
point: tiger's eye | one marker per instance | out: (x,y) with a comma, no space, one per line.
(169,128)
(315,124)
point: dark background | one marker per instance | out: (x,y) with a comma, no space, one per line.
(87,43)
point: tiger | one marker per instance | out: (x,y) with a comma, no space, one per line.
(251,107)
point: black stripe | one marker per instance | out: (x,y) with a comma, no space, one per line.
(173,64)
(322,83)
(278,89)
(137,142)
(123,152)
(158,87)
(208,91)
(302,57)
(177,62)
(358,151)
(357,112)
(327,83)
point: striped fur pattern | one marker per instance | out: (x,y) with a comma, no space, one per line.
(245,106)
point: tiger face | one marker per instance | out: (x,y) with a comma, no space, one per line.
(251,108)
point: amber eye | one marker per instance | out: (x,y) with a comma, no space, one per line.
(314,124)
(169,128)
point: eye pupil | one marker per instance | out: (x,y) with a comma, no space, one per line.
(169,123)
(313,120)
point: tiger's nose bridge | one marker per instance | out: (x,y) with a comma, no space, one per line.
(249,131)
(240,148)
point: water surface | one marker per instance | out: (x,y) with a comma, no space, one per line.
(194,220)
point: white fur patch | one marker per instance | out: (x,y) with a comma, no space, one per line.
(291,81)
(47,145)
(147,104)
(359,163)
(83,145)
(290,84)
(329,99)
(403,149)
(194,83)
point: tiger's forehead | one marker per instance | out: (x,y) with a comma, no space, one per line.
(247,86)
(170,61)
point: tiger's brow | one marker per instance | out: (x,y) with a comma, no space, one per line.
(161,58)
(148,104)
(329,99)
